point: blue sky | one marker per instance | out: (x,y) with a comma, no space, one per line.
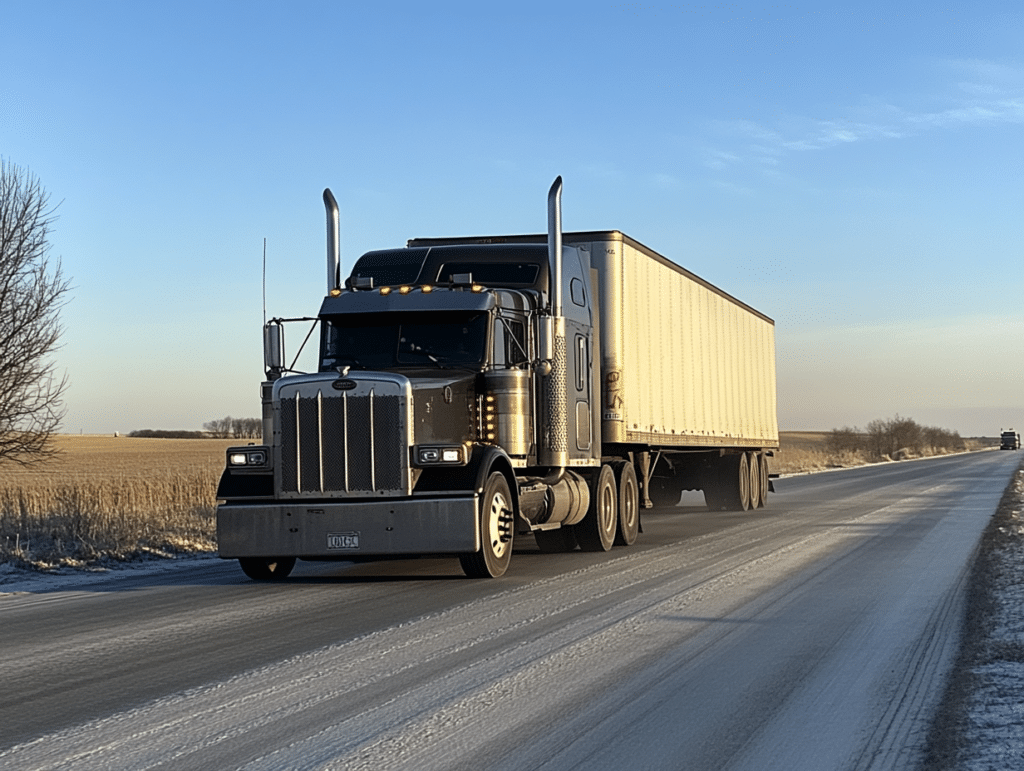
(854,171)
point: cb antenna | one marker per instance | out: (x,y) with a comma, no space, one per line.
(264,281)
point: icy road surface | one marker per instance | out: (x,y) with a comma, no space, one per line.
(815,634)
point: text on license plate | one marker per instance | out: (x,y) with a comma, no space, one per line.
(343,540)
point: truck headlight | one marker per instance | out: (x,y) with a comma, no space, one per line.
(248,458)
(430,456)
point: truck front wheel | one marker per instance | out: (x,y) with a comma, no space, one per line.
(267,568)
(497,523)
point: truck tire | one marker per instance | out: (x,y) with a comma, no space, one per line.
(267,568)
(629,503)
(597,530)
(556,541)
(727,483)
(762,461)
(497,524)
(754,467)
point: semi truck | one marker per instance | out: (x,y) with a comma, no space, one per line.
(1009,440)
(471,392)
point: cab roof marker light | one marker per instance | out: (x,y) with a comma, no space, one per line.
(385,290)
(404,289)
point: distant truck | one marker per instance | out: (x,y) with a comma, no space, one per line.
(471,391)
(1008,440)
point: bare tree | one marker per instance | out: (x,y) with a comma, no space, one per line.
(905,434)
(845,439)
(32,292)
(219,428)
(247,428)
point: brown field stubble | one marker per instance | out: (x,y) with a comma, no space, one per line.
(109,497)
(126,498)
(804,451)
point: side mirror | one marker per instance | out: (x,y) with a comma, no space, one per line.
(273,350)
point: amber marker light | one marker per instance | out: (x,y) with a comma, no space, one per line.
(404,289)
(385,290)
(426,289)
(335,292)
(477,288)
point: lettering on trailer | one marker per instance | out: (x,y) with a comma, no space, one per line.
(613,397)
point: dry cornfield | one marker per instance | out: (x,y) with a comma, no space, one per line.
(108,497)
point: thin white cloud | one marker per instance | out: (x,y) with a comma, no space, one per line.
(986,94)
(1005,111)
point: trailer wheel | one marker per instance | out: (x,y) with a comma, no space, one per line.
(267,568)
(497,520)
(629,503)
(762,461)
(727,483)
(738,489)
(597,530)
(754,467)
(556,541)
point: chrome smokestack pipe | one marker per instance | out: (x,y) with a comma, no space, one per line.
(555,244)
(333,241)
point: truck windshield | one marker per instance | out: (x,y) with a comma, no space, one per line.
(384,341)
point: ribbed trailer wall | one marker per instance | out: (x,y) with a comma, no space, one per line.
(682,363)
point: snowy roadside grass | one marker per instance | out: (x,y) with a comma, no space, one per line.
(16,580)
(110,499)
(980,726)
(61,522)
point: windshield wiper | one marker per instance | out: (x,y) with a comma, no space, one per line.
(413,348)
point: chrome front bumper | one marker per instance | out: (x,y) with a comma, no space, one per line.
(349,529)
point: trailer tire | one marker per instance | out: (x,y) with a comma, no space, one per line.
(754,468)
(629,503)
(557,541)
(762,461)
(267,568)
(597,530)
(497,526)
(727,483)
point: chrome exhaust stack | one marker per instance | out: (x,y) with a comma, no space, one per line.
(333,241)
(554,444)
(555,244)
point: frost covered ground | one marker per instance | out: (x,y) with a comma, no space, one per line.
(16,580)
(981,727)
(981,723)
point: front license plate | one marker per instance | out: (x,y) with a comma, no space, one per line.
(343,540)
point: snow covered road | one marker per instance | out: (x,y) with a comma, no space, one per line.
(814,634)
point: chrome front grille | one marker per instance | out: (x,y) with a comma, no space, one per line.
(346,444)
